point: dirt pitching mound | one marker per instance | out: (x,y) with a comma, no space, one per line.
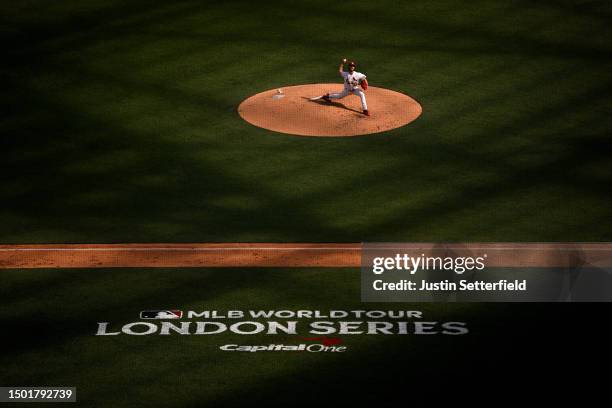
(293,112)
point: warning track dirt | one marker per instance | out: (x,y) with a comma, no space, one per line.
(282,255)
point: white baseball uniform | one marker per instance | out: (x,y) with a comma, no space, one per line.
(351,85)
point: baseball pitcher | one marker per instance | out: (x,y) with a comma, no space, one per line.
(354,82)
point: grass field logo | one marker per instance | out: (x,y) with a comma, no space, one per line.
(161,314)
(324,327)
(319,345)
(308,348)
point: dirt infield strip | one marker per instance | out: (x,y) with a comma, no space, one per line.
(287,254)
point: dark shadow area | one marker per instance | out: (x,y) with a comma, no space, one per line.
(531,354)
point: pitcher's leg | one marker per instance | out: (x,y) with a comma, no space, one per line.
(339,95)
(362,96)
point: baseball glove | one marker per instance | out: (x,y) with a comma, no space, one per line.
(364,84)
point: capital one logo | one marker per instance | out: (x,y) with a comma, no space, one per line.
(321,345)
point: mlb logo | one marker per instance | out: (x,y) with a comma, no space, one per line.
(161,314)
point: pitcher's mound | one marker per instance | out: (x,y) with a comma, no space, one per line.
(293,112)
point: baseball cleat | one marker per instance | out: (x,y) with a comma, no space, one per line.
(365,112)
(326,98)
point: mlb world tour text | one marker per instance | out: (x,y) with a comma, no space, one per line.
(396,322)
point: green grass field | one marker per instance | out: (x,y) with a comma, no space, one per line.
(120,125)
